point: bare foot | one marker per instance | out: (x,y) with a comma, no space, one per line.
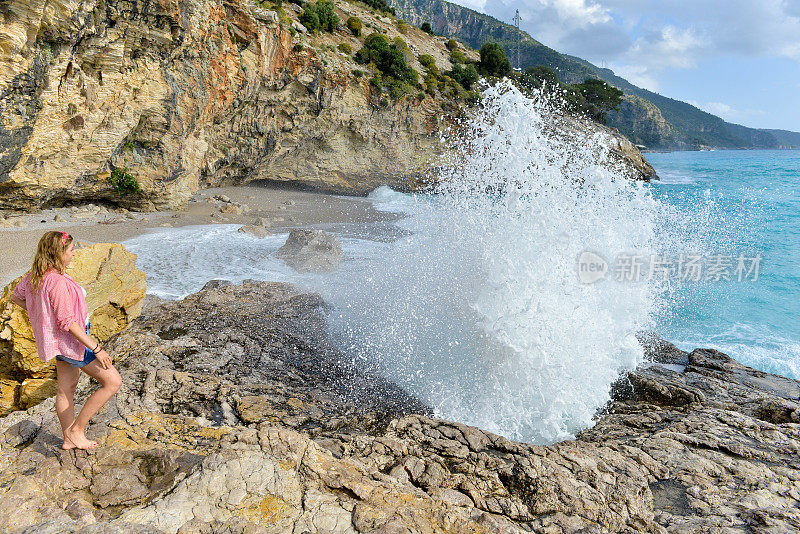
(67,445)
(78,440)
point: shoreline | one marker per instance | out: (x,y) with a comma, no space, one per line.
(268,423)
(283,208)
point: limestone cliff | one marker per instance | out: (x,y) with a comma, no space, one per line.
(185,94)
(191,93)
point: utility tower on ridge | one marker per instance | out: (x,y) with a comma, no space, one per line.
(519,37)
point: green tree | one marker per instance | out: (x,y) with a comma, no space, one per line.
(320,16)
(310,19)
(600,97)
(494,61)
(396,76)
(426,27)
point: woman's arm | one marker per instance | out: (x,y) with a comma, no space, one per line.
(19,302)
(81,335)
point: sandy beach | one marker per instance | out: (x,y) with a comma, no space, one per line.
(280,208)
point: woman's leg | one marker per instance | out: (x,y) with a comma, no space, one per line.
(67,377)
(110,382)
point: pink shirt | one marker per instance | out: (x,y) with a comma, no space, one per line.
(59,303)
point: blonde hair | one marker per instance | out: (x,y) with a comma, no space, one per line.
(49,254)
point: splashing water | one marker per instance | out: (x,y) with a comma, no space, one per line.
(479,310)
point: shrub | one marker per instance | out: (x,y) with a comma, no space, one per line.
(400,43)
(426,27)
(457,56)
(320,16)
(310,19)
(396,76)
(465,76)
(427,61)
(494,61)
(123,181)
(346,48)
(431,82)
(358,73)
(451,44)
(401,26)
(355,25)
(297,47)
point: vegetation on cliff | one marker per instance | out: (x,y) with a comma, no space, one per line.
(592,98)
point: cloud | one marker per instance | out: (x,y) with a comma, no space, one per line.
(477,5)
(668,47)
(648,36)
(719,109)
(636,74)
(730,114)
(579,27)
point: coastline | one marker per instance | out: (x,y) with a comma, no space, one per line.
(283,208)
(266,427)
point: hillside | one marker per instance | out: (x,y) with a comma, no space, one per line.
(645,117)
(141,108)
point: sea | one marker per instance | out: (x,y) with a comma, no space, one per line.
(512,294)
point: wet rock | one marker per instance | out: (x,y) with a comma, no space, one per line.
(256,231)
(311,250)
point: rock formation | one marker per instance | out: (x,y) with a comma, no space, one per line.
(172,96)
(237,415)
(182,95)
(311,250)
(115,291)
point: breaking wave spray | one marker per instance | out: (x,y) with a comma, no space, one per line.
(478,309)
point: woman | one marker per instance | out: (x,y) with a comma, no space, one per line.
(56,307)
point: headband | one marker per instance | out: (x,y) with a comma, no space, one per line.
(64,236)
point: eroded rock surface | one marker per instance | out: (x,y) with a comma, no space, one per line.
(237,415)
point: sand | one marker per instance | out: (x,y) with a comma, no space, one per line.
(284,208)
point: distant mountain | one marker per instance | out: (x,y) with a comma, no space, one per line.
(645,117)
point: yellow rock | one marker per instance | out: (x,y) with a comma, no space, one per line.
(9,395)
(115,291)
(35,390)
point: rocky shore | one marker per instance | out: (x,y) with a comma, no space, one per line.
(237,414)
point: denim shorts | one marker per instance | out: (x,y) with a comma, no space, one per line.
(88,356)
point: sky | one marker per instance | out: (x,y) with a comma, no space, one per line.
(737,59)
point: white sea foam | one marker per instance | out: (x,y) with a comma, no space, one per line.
(479,310)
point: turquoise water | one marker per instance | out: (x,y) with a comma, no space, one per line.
(745,203)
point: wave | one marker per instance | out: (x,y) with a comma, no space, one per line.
(479,310)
